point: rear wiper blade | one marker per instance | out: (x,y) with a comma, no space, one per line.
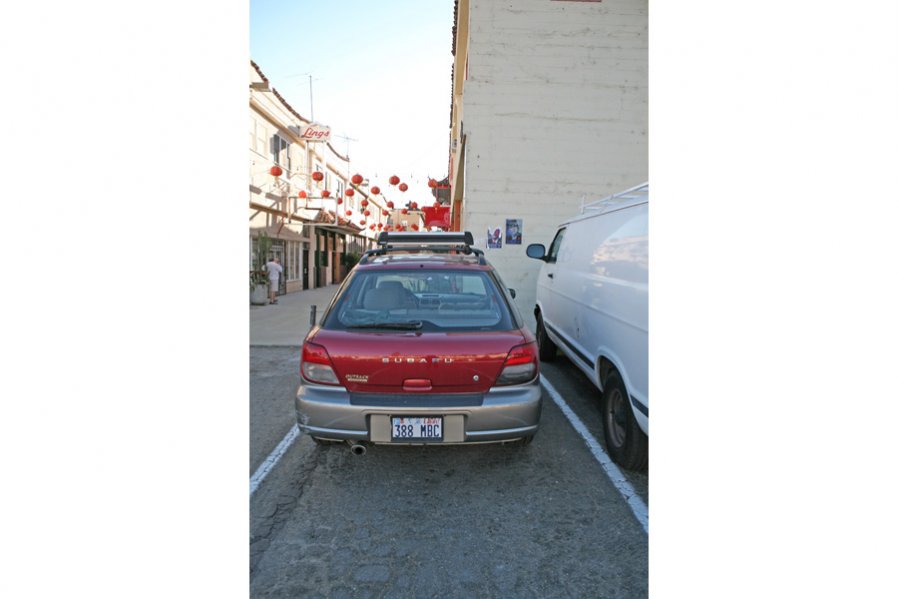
(413,325)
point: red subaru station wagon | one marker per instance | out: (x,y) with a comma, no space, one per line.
(421,344)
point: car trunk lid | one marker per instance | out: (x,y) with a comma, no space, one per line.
(416,362)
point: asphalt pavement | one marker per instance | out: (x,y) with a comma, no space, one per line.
(286,323)
(483,520)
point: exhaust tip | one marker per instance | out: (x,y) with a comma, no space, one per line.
(358,449)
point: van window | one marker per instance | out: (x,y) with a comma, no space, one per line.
(556,245)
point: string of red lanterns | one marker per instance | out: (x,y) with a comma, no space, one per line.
(356,180)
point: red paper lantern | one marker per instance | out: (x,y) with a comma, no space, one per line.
(371,227)
(325,194)
(348,212)
(362,222)
(357,178)
(414,205)
(318,176)
(367,213)
(405,211)
(415,227)
(394,180)
(375,190)
(363,203)
(303,195)
(380,225)
(390,204)
(350,192)
(432,183)
(339,201)
(276,171)
(403,187)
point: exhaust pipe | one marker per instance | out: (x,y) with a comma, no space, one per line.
(357,448)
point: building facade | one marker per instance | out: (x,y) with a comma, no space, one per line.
(300,202)
(549,110)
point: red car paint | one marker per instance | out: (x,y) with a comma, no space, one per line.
(385,361)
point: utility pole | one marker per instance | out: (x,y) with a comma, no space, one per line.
(311,105)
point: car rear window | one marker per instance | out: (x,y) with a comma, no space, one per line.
(427,300)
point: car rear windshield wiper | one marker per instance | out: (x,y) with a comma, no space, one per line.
(413,325)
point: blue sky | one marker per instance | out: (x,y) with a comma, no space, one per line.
(380,74)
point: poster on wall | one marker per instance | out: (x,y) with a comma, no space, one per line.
(514,228)
(494,237)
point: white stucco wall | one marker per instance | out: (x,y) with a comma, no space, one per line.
(555,111)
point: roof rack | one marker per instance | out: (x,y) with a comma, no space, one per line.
(449,242)
(634,193)
(465,238)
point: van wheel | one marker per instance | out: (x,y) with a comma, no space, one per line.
(627,445)
(547,347)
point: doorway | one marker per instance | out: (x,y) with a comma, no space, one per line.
(304,261)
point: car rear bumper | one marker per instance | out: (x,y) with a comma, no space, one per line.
(504,414)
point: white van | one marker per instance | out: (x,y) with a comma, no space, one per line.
(592,302)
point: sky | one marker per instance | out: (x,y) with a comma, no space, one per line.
(380,75)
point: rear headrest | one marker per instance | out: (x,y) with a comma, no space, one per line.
(391,285)
(384,298)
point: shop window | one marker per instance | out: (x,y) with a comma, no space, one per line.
(280,152)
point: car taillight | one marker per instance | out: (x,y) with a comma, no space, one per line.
(317,366)
(521,365)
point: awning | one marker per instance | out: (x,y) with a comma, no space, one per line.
(325,220)
(285,231)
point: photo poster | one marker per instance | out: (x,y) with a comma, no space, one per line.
(493,237)
(514,228)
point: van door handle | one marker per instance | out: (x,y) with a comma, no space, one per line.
(551,276)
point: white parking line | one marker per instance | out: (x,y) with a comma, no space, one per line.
(637,505)
(256,479)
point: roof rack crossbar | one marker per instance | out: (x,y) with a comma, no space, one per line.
(465,238)
(424,242)
(622,196)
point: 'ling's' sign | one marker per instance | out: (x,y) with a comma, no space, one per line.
(313,132)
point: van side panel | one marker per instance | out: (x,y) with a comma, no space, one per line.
(601,286)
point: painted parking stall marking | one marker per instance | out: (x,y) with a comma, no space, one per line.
(272,459)
(620,482)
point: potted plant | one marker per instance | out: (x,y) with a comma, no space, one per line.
(349,260)
(258,287)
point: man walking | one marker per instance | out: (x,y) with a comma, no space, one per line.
(274,268)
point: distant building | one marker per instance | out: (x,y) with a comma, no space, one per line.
(549,109)
(309,234)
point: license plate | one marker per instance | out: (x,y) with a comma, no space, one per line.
(429,428)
